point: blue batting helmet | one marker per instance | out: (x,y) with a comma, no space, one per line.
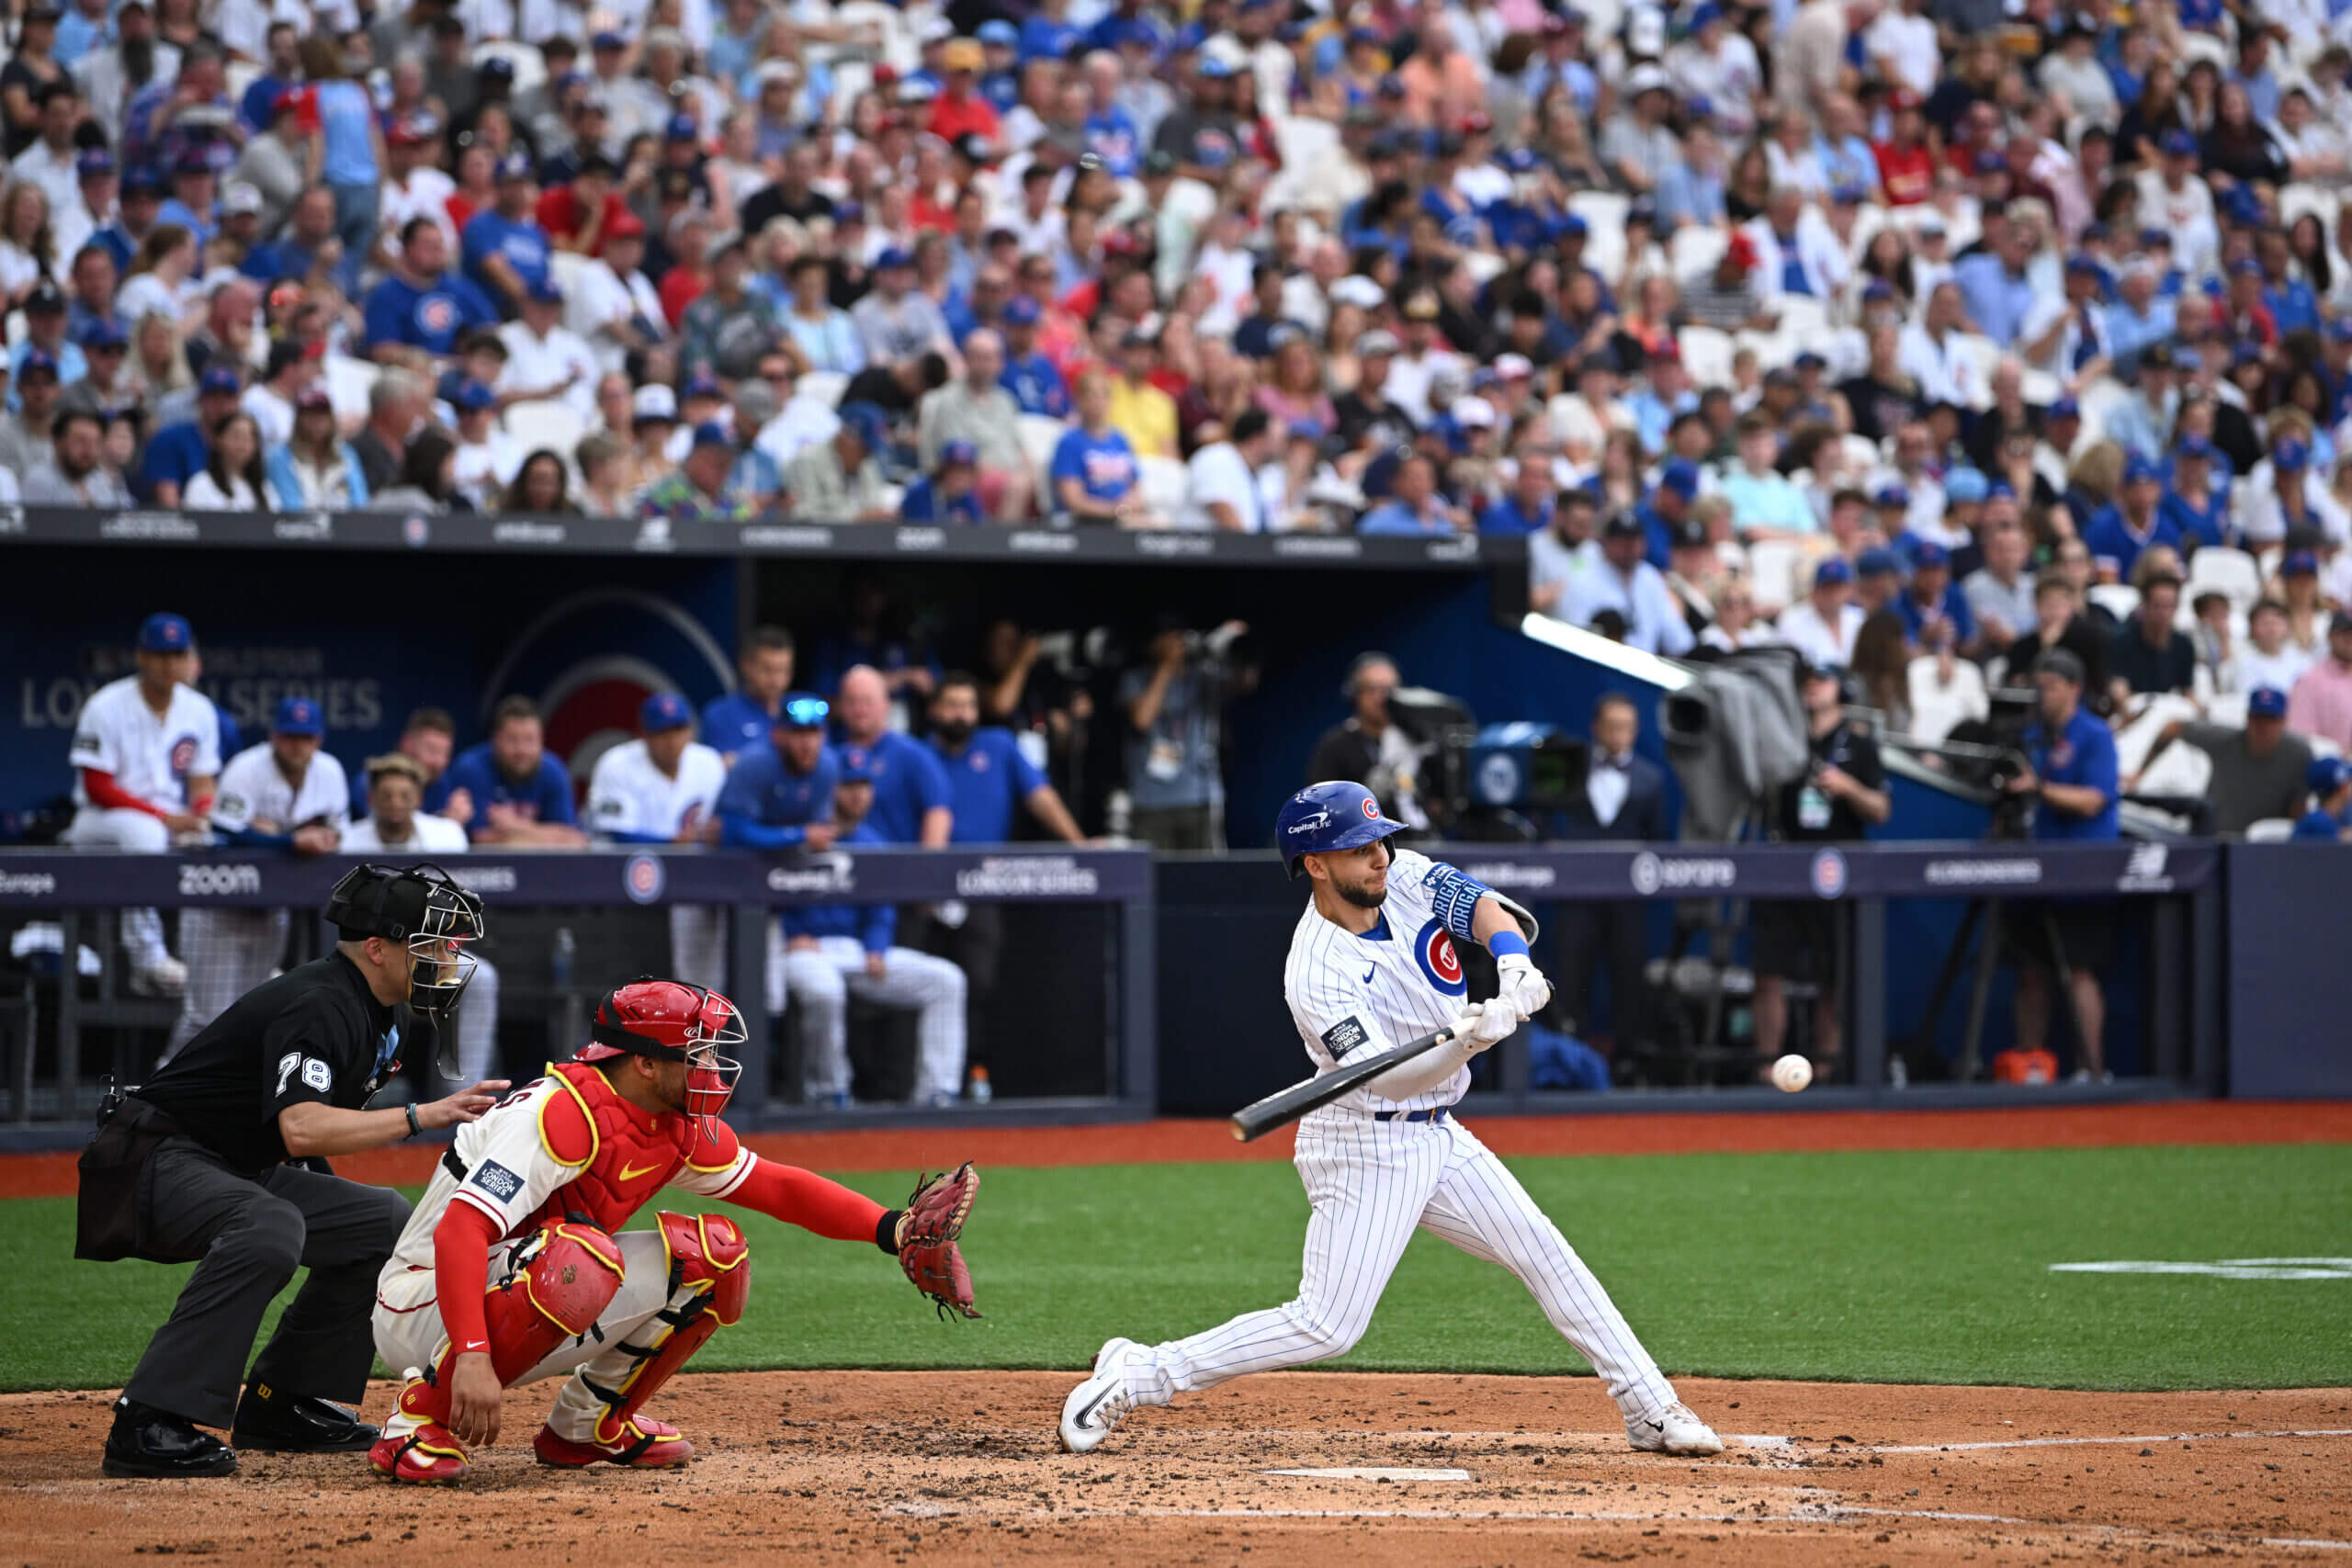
(1337,814)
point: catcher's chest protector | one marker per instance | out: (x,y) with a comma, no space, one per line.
(629,1154)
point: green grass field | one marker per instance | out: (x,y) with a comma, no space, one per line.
(1898,1268)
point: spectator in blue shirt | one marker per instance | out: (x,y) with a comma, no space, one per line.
(1935,612)
(1094,470)
(282,72)
(780,796)
(2072,781)
(521,795)
(949,493)
(422,304)
(136,205)
(2329,779)
(292,256)
(911,798)
(2196,503)
(177,453)
(2139,319)
(1994,286)
(2118,535)
(1415,507)
(504,252)
(1037,387)
(737,722)
(1526,507)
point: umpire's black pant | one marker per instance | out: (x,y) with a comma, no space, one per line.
(1616,933)
(249,1235)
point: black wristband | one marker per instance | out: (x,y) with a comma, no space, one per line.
(886,1231)
(414,1126)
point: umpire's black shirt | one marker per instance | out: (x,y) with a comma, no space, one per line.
(314,1034)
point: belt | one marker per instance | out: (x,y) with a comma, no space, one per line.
(1436,1115)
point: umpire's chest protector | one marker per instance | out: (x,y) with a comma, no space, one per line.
(621,1156)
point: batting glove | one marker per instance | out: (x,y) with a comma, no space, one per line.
(1495,1023)
(1523,988)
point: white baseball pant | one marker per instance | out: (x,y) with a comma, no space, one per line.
(409,1332)
(1372,1185)
(227,953)
(822,978)
(698,946)
(119,828)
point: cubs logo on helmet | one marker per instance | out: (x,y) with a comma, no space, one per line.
(591,660)
(1433,951)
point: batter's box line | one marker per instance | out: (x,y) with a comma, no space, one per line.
(2089,1442)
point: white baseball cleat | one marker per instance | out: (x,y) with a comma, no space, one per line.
(1673,1430)
(1097,1404)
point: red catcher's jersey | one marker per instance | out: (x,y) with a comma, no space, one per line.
(566,1147)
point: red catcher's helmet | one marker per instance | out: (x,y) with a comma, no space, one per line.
(670,1020)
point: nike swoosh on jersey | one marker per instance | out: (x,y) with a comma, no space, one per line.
(1370,973)
(630,1173)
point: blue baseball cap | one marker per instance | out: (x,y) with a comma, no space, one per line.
(709,433)
(2290,455)
(1681,477)
(1989,161)
(1890,495)
(2151,237)
(297,715)
(37,359)
(2242,205)
(2083,266)
(1877,289)
(2245,266)
(219,379)
(545,291)
(2139,470)
(2300,563)
(142,182)
(516,165)
(1877,563)
(2065,408)
(2176,144)
(663,710)
(802,710)
(867,422)
(93,162)
(1930,556)
(854,766)
(962,452)
(104,332)
(682,128)
(2196,447)
(473,397)
(1966,486)
(608,40)
(702,384)
(997,30)
(2000,489)
(2265,701)
(1574,226)
(1832,571)
(893,256)
(1021,312)
(166,633)
(2326,776)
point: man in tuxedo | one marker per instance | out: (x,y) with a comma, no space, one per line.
(1624,797)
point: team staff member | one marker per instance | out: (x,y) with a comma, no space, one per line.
(662,788)
(2074,782)
(910,788)
(987,778)
(521,795)
(285,794)
(428,738)
(739,721)
(146,751)
(780,797)
(194,1166)
(1841,797)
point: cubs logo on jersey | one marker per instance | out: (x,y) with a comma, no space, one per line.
(1433,951)
(437,315)
(183,756)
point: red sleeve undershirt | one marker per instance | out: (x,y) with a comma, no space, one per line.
(802,1198)
(103,791)
(461,1245)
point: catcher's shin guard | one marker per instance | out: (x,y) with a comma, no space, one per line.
(561,1282)
(710,1278)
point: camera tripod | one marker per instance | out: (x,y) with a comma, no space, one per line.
(1993,917)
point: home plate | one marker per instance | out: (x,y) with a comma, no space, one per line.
(1374,1472)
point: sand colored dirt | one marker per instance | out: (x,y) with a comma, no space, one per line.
(859,1468)
(1641,1132)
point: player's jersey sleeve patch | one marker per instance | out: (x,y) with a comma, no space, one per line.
(497,1181)
(1344,1036)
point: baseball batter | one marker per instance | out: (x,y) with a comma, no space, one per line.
(1373,963)
(662,788)
(514,1266)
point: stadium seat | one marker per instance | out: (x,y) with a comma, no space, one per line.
(18,327)
(1861,454)
(1163,483)
(2117,599)
(1773,571)
(2232,571)
(1697,248)
(2040,388)
(349,381)
(853,79)
(2298,199)
(2097,400)
(2269,831)
(2178,770)
(1939,706)
(1802,320)
(237,77)
(1039,435)
(558,426)
(1982,357)
(821,386)
(1706,355)
(1301,140)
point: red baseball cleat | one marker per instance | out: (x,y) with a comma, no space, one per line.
(644,1444)
(427,1457)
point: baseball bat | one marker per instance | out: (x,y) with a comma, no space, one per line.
(1255,1121)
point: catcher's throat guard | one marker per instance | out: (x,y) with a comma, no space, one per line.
(422,908)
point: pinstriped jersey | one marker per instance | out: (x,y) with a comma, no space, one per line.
(1356,995)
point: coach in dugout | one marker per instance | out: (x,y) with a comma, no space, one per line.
(219,1159)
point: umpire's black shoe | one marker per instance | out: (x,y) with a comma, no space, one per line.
(270,1420)
(151,1443)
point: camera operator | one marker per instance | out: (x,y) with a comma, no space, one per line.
(199,1163)
(1369,745)
(2071,779)
(1175,711)
(1841,795)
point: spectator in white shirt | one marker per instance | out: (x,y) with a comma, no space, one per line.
(413,186)
(545,359)
(1624,585)
(231,478)
(1221,481)
(2268,656)
(52,162)
(1824,627)
(1931,354)
(292,367)
(487,459)
(615,305)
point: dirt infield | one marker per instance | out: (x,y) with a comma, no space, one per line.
(857,1468)
(1638,1133)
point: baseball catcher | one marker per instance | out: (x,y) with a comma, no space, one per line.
(514,1266)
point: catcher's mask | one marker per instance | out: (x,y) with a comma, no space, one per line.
(670,1020)
(423,909)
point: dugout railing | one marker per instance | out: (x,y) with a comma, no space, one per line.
(1075,988)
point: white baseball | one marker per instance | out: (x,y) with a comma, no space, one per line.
(1791,1073)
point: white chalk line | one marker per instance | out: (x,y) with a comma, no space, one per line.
(2086,1442)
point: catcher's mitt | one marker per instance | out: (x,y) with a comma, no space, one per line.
(927,1232)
